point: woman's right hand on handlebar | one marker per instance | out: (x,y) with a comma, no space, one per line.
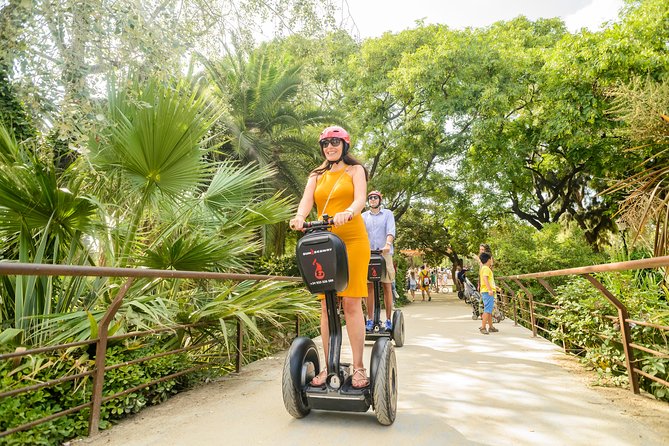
(296,223)
(341,218)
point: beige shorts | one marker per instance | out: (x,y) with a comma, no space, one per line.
(389,272)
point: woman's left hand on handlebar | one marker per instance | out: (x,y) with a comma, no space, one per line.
(296,223)
(341,218)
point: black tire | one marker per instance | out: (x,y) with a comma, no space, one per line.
(383,373)
(461,295)
(301,365)
(398,328)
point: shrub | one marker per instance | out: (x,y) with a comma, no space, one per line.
(277,266)
(580,321)
(27,407)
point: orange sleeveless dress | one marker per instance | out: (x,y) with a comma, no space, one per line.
(338,186)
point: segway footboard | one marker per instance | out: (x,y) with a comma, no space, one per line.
(347,399)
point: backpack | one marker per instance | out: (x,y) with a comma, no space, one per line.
(426,281)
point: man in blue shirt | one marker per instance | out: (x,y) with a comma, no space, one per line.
(380,225)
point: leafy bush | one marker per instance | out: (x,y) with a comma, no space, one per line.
(581,322)
(27,407)
(401,268)
(277,266)
(521,249)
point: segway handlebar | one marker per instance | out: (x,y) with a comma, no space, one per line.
(318,224)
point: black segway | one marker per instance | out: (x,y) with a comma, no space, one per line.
(377,266)
(323,263)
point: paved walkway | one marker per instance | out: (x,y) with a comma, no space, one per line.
(456,387)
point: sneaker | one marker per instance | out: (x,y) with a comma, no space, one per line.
(369,325)
(483,331)
(429,299)
(388,325)
(493,330)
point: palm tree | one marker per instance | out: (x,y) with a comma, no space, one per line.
(44,218)
(268,123)
(157,203)
(642,106)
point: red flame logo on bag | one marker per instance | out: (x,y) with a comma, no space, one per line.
(319,273)
(374,273)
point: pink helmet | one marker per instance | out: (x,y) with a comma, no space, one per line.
(335,132)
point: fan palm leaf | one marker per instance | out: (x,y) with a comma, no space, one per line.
(155,145)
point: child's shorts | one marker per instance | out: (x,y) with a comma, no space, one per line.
(488,302)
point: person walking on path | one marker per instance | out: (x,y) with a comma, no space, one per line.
(380,224)
(338,187)
(488,289)
(424,283)
(413,284)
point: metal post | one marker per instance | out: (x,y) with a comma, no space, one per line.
(297,325)
(101,356)
(238,365)
(626,339)
(551,291)
(530,298)
(514,299)
(548,287)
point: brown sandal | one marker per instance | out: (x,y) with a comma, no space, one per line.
(319,380)
(360,381)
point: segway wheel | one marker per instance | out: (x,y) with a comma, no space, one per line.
(384,381)
(398,328)
(301,365)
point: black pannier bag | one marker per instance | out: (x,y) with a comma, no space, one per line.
(323,262)
(377,265)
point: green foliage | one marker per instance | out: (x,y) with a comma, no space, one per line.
(12,112)
(520,249)
(401,273)
(277,266)
(23,408)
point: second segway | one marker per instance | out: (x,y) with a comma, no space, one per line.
(377,266)
(323,264)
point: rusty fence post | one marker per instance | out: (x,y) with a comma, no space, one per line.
(101,357)
(551,291)
(512,293)
(240,334)
(530,298)
(626,338)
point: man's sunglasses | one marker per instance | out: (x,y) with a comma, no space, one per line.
(336,142)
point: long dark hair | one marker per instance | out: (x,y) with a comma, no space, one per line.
(348,159)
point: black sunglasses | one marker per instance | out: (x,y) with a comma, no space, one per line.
(336,142)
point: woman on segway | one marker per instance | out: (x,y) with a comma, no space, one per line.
(338,187)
